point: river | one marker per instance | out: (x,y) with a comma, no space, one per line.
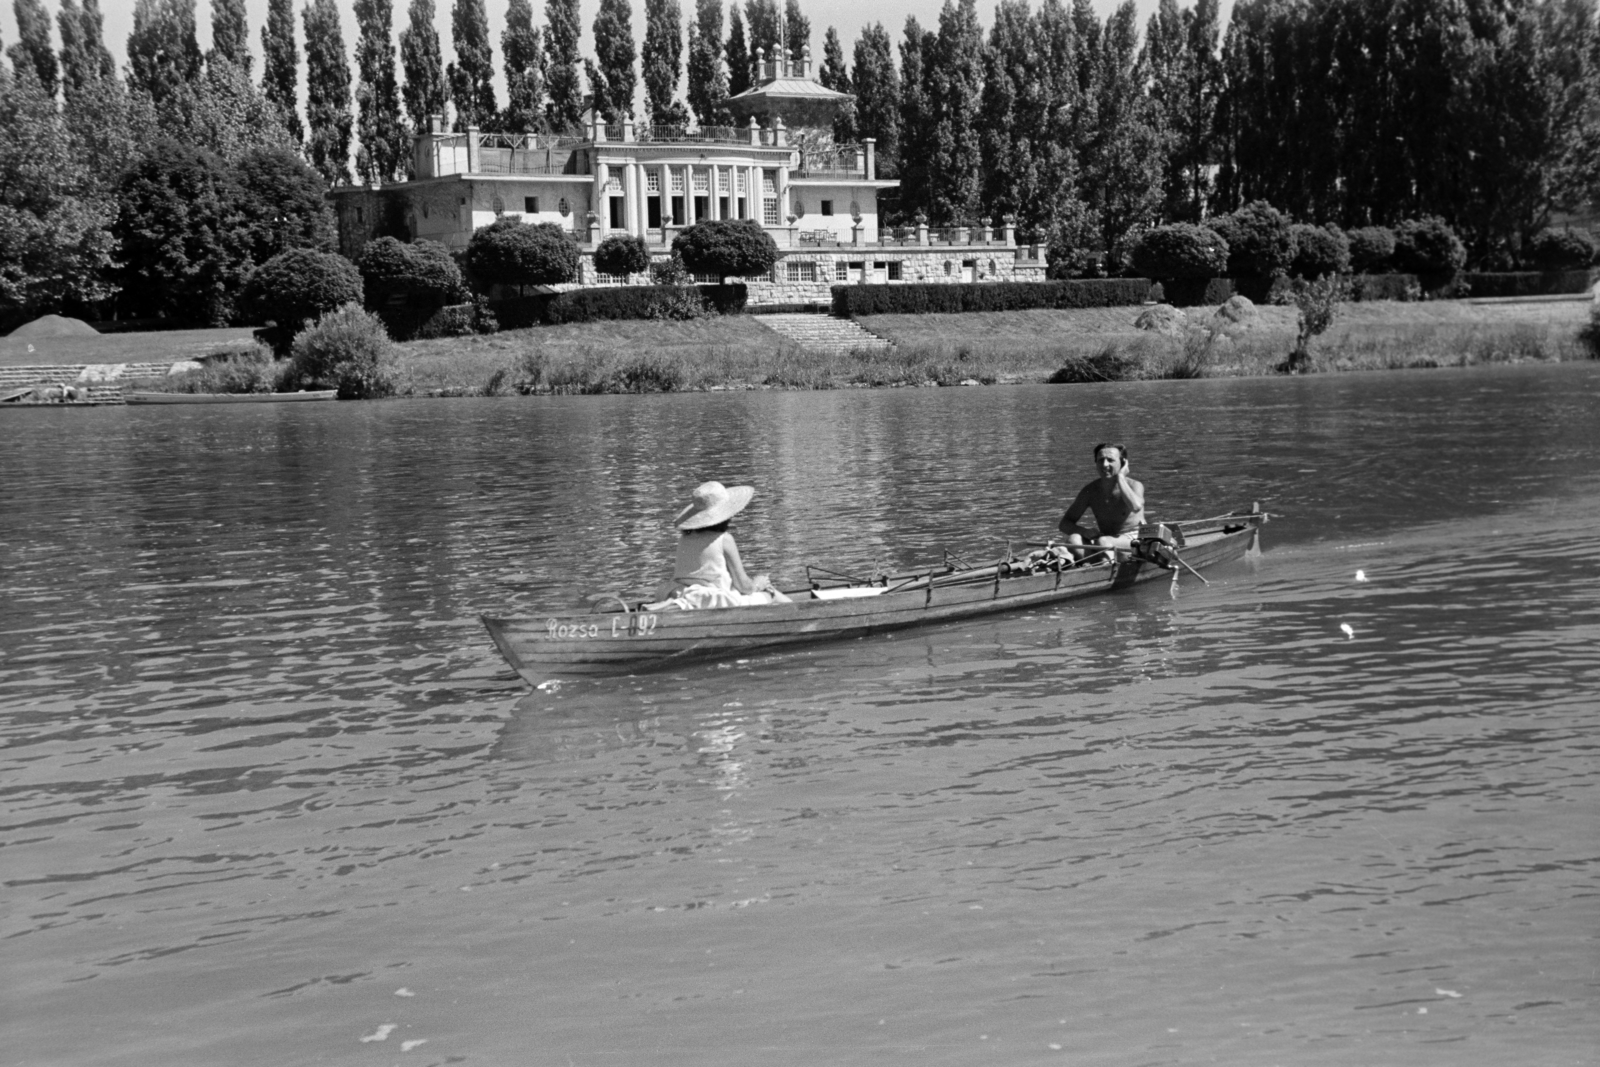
(270,796)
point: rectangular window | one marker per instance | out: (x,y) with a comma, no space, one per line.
(769,212)
(652,181)
(738,181)
(701,181)
(530,205)
(894,270)
(722,181)
(602,278)
(675,180)
(841,272)
(827,207)
(802,272)
(769,182)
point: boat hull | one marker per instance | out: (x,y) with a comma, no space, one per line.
(231,398)
(616,642)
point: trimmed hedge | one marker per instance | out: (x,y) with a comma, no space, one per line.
(934,298)
(611,302)
(1527,283)
(1385,287)
(1196,292)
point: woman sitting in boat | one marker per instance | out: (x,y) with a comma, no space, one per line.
(708,572)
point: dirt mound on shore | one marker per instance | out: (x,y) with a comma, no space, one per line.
(53,326)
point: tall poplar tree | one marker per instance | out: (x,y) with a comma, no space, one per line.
(76,68)
(612,78)
(1125,168)
(524,66)
(662,61)
(425,92)
(761,30)
(230,33)
(163,54)
(955,86)
(33,47)
(708,83)
(385,147)
(1014,120)
(327,92)
(561,34)
(94,40)
(916,135)
(876,84)
(738,51)
(833,74)
(280,64)
(471,76)
(796,30)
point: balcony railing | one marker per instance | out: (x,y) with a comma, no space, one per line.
(712,134)
(840,161)
(515,166)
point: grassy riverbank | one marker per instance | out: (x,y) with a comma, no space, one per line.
(1016,346)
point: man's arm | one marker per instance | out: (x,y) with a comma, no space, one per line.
(1132,491)
(1069,521)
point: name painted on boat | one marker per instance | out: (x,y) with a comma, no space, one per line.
(634,624)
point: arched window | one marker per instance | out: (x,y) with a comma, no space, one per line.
(949,268)
(564,207)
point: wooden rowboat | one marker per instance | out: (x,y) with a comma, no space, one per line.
(617,638)
(231,398)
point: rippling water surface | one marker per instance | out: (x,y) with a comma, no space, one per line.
(269,796)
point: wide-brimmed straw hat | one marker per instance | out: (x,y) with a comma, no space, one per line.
(713,503)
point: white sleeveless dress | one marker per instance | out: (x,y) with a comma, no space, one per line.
(700,577)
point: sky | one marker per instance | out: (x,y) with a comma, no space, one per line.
(847,16)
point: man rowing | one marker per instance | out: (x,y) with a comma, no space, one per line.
(1116,500)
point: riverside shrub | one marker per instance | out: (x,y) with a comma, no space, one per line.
(1181,250)
(1318,251)
(1428,246)
(1371,249)
(926,298)
(348,350)
(726,248)
(1561,250)
(1260,242)
(295,287)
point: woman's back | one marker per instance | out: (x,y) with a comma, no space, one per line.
(702,559)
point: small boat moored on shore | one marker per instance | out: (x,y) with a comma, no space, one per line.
(620,638)
(231,398)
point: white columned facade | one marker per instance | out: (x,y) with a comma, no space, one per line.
(631,198)
(601,209)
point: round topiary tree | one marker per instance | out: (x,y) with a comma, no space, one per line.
(1428,246)
(511,252)
(737,247)
(1371,249)
(622,256)
(1180,250)
(424,274)
(1565,249)
(295,287)
(1260,243)
(1319,251)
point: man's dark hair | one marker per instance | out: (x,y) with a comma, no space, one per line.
(1122,450)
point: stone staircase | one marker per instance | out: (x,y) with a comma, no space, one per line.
(824,334)
(104,381)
